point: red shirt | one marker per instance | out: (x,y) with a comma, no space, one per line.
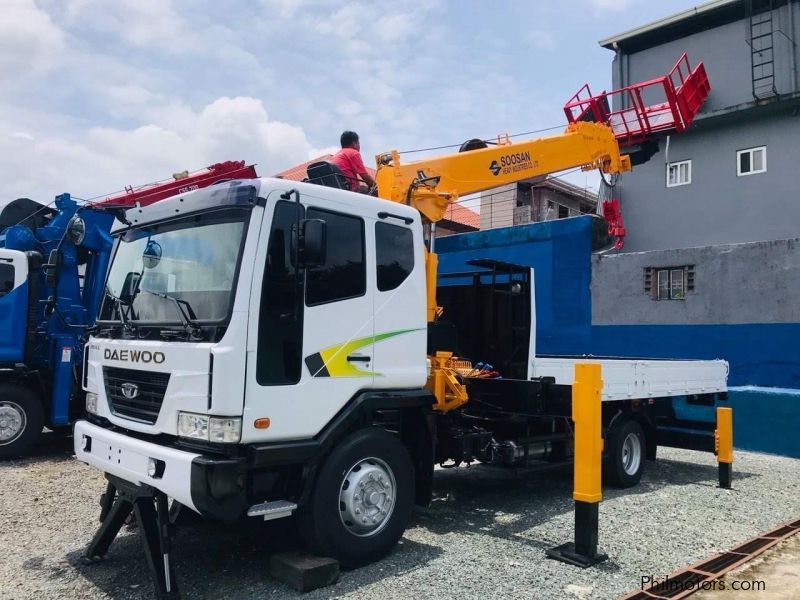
(349,161)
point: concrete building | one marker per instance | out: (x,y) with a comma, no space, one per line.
(534,200)
(734,175)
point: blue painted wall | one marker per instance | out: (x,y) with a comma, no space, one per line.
(559,251)
(760,354)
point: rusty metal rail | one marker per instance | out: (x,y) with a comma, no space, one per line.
(687,581)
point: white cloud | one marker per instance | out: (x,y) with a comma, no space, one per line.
(30,43)
(613,5)
(100,160)
(142,23)
(543,39)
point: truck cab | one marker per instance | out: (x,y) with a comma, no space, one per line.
(247,329)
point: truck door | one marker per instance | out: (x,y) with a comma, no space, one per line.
(400,321)
(310,334)
(13,304)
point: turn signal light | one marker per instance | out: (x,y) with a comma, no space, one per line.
(262,423)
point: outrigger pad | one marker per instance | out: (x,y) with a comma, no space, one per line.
(583,552)
(151,510)
(566,553)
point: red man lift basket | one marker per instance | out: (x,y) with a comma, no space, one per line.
(663,104)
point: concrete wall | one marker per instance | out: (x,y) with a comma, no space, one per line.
(497,206)
(726,55)
(734,284)
(717,207)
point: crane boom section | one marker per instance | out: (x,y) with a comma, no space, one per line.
(431,185)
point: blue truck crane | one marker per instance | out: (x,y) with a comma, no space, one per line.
(53,265)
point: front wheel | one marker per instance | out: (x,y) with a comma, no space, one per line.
(362,499)
(21,420)
(624,462)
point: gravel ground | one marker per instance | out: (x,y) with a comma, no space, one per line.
(484,535)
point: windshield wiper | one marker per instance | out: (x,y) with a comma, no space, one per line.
(188,316)
(127,324)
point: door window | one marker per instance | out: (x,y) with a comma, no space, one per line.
(394,249)
(6,279)
(280,322)
(344,274)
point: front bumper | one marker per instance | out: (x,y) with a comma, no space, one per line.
(213,487)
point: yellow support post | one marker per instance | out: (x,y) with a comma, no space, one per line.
(723,445)
(587,414)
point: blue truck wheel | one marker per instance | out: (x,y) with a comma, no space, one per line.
(21,420)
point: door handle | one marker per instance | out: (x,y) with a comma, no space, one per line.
(359,358)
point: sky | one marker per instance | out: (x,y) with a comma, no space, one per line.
(99,94)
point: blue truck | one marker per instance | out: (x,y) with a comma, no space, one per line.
(53,262)
(53,265)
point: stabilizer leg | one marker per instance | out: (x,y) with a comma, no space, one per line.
(112,523)
(154,528)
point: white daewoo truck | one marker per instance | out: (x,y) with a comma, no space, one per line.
(263,351)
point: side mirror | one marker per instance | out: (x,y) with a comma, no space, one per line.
(52,268)
(151,255)
(129,288)
(314,242)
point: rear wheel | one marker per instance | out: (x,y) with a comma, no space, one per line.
(21,420)
(624,462)
(362,499)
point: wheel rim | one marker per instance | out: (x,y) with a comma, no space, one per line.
(631,453)
(367,497)
(12,422)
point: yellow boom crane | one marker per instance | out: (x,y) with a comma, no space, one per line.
(433,184)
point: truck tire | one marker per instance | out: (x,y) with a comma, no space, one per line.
(624,461)
(21,420)
(362,499)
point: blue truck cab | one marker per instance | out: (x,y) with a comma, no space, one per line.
(53,263)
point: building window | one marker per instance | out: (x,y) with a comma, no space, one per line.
(563,211)
(669,283)
(751,161)
(679,173)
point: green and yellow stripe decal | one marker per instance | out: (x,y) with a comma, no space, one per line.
(332,361)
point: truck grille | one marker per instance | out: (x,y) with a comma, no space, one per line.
(143,405)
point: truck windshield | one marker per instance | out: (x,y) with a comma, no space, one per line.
(192,260)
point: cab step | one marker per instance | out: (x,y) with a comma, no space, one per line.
(277,509)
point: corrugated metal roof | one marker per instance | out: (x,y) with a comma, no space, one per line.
(463,215)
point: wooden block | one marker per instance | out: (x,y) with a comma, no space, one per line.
(303,572)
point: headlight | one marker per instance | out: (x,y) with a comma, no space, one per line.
(225,430)
(76,230)
(212,429)
(91,402)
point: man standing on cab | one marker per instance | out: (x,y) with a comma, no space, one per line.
(348,159)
